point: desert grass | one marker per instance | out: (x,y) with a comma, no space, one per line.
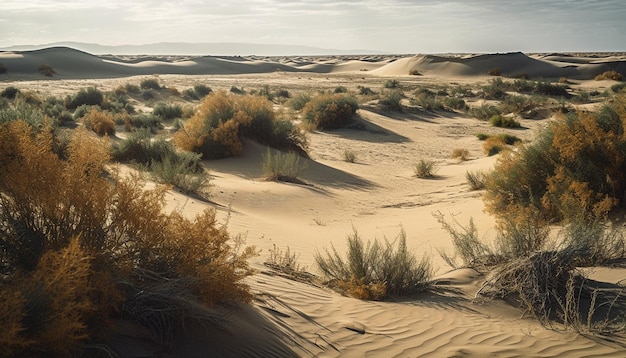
(349,156)
(475,179)
(461,154)
(279,166)
(375,270)
(424,169)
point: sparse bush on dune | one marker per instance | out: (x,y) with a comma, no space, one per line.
(168,111)
(494,71)
(460,153)
(279,166)
(79,248)
(494,145)
(299,101)
(573,171)
(392,100)
(100,122)
(330,111)
(222,120)
(424,168)
(504,122)
(455,103)
(475,179)
(90,97)
(365,91)
(46,70)
(484,112)
(150,83)
(391,84)
(375,270)
(609,75)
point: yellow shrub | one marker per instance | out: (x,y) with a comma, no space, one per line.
(100,122)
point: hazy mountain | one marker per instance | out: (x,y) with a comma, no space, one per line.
(182,48)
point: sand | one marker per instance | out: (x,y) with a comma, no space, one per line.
(378,196)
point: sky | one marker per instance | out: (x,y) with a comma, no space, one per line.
(393,26)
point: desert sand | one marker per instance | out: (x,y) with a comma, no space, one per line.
(378,196)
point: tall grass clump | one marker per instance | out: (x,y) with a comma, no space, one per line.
(168,111)
(279,166)
(484,112)
(330,111)
(298,102)
(392,100)
(161,159)
(375,270)
(475,179)
(424,168)
(80,248)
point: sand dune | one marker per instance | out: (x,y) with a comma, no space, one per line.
(70,63)
(378,195)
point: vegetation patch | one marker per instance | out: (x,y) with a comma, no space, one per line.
(375,270)
(330,111)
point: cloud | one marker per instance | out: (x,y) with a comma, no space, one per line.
(390,25)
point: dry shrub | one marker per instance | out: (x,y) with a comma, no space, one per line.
(216,129)
(121,234)
(609,75)
(475,179)
(100,122)
(375,270)
(424,168)
(46,70)
(494,145)
(460,153)
(330,111)
(278,166)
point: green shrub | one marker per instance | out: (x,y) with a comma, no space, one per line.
(89,97)
(424,168)
(484,112)
(236,90)
(482,136)
(132,88)
(20,110)
(392,84)
(340,89)
(279,166)
(168,111)
(9,92)
(298,102)
(509,139)
(150,83)
(148,94)
(427,100)
(365,91)
(618,87)
(82,110)
(504,122)
(393,100)
(455,103)
(375,270)
(330,111)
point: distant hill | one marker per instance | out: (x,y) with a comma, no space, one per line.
(205,48)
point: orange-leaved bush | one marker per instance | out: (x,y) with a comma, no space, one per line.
(221,120)
(77,241)
(575,169)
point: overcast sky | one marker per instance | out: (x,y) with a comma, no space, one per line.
(395,26)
